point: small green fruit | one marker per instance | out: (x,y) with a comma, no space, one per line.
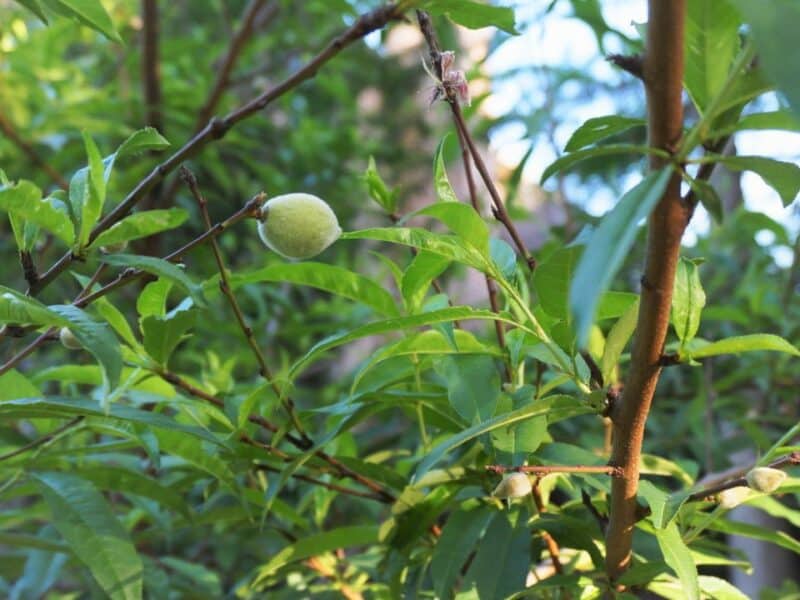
(733,497)
(513,485)
(298,225)
(68,339)
(765,479)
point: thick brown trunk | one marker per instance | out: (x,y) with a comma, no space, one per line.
(663,77)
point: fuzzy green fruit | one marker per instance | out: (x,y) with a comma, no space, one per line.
(733,497)
(68,339)
(298,225)
(765,479)
(514,485)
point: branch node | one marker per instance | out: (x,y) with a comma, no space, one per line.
(633,63)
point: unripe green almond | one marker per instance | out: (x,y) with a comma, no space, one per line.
(733,497)
(298,225)
(68,339)
(513,485)
(765,479)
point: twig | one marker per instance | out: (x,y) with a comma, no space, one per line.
(789,460)
(549,540)
(609,470)
(226,289)
(633,64)
(251,209)
(663,76)
(216,128)
(11,133)
(498,208)
(43,439)
(28,267)
(331,486)
(222,81)
(491,286)
(341,469)
(237,43)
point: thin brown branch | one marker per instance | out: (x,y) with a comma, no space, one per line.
(547,469)
(151,65)
(28,267)
(326,484)
(663,76)
(790,460)
(341,469)
(225,68)
(227,291)
(251,209)
(216,128)
(549,540)
(40,441)
(498,207)
(491,286)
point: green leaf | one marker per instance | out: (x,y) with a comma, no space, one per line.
(779,538)
(472,14)
(35,7)
(688,300)
(677,556)
(161,268)
(503,256)
(774,26)
(97,338)
(141,224)
(784,177)
(525,437)
(314,545)
(616,340)
(14,384)
(473,385)
(89,12)
(378,190)
(163,334)
(459,536)
(779,119)
(573,158)
(430,342)
(503,559)
(712,42)
(20,309)
(555,407)
(743,343)
(153,299)
(87,523)
(600,128)
(330,278)
(552,278)
(94,196)
(119,479)
(608,247)
(462,220)
(423,269)
(445,315)
(52,407)
(613,305)
(444,191)
(24,200)
(141,140)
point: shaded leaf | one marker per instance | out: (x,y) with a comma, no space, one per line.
(600,128)
(84,519)
(141,224)
(608,247)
